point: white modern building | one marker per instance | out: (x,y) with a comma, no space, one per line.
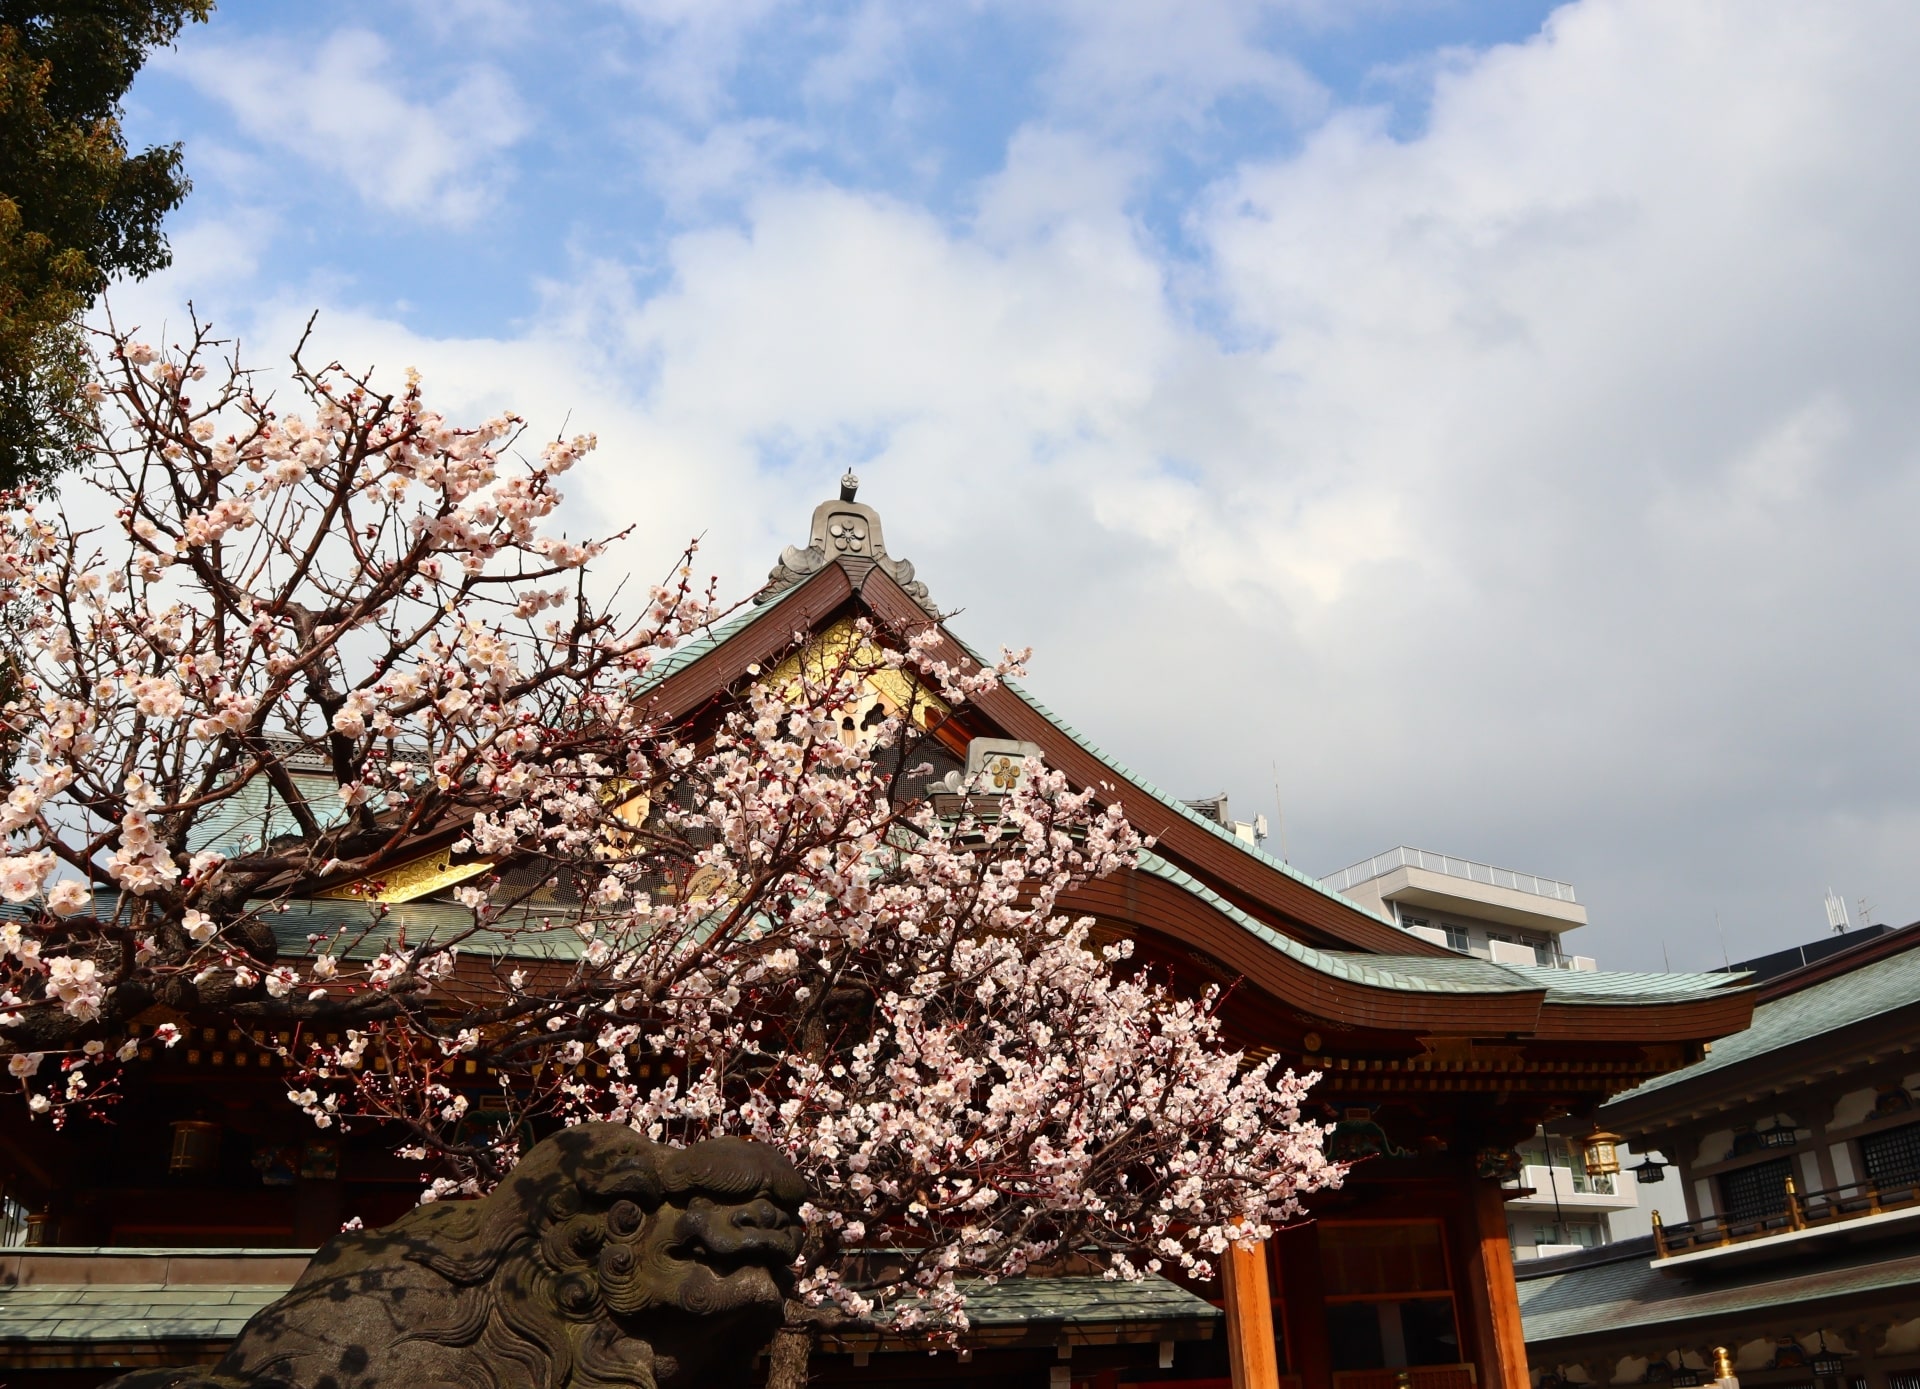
(1561,1206)
(1492,913)
(1510,918)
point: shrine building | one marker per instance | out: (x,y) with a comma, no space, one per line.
(150,1241)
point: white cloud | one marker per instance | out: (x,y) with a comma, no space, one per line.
(345,111)
(1137,64)
(1545,497)
(725,162)
(695,47)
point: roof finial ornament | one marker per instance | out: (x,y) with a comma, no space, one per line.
(847,531)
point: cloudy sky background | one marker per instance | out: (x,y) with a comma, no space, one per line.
(1499,419)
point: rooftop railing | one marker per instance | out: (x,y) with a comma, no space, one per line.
(1814,1210)
(1465,868)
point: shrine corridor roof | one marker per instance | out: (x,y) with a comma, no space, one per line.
(1855,996)
(1622,1298)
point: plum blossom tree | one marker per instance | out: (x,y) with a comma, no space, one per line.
(765,902)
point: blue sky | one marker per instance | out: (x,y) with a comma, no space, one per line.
(1497,418)
(542,141)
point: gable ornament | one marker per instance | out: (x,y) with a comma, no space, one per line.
(843,529)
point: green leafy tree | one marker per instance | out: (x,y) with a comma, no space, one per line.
(76,208)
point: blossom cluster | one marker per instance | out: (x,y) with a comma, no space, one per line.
(314,640)
(787,945)
(307,634)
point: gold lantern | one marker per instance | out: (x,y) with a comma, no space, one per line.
(1603,1153)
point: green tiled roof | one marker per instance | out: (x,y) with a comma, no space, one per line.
(1625,1297)
(688,652)
(50,1313)
(422,923)
(129,1312)
(1082,1301)
(1454,974)
(1833,1003)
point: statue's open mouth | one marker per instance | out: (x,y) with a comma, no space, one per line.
(725,1265)
(744,1252)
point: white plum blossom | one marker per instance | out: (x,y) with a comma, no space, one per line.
(66,897)
(337,574)
(21,875)
(767,929)
(78,985)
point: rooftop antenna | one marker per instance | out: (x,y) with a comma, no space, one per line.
(1665,963)
(1837,912)
(1866,911)
(1279,812)
(1721,932)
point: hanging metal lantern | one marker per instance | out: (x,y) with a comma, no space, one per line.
(1603,1153)
(196,1147)
(1649,1172)
(1684,1378)
(1827,1364)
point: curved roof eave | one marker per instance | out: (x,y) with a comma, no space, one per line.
(1455,995)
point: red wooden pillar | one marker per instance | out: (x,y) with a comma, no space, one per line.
(1249,1317)
(1492,1300)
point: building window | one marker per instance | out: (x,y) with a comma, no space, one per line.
(1457,938)
(1892,1158)
(1756,1192)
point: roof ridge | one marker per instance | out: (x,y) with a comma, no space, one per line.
(1859,955)
(1173,802)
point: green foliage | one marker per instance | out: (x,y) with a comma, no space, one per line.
(76,209)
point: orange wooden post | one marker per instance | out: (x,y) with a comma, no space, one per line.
(1493,1298)
(1249,1317)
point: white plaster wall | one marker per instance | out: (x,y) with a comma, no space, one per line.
(1852,1107)
(1842,1156)
(1714,1147)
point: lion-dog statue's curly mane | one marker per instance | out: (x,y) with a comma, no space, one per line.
(602,1259)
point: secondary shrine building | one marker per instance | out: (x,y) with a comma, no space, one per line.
(1434,1066)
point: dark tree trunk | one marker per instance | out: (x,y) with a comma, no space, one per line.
(787,1357)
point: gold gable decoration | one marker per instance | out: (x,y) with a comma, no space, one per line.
(843,644)
(408,882)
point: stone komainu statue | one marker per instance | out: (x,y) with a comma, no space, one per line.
(602,1259)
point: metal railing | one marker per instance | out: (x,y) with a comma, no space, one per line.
(1572,1179)
(1467,869)
(1814,1210)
